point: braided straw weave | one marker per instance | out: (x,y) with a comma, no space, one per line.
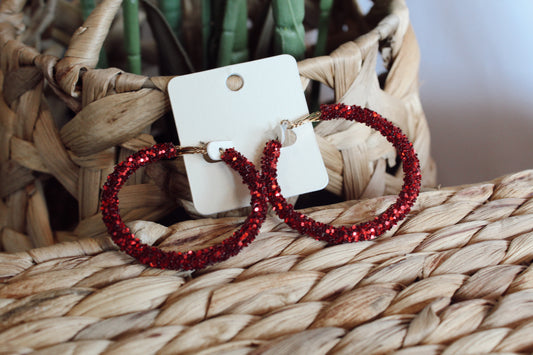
(454,278)
(112,110)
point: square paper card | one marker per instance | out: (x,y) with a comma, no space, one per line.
(244,104)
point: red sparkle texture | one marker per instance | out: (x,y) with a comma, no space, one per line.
(358,232)
(192,259)
(263,188)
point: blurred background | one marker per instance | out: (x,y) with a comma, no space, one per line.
(476,87)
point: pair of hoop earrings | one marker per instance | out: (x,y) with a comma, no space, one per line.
(264,189)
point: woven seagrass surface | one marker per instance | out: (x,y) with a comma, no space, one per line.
(49,153)
(454,278)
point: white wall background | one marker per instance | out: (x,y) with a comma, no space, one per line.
(477,85)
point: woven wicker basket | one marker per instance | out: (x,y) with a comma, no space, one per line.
(113,108)
(454,278)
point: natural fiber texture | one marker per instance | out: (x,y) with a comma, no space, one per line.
(113,109)
(454,278)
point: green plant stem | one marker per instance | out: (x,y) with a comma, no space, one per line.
(289,35)
(173,59)
(132,35)
(323,27)
(171,9)
(320,47)
(87,6)
(216,15)
(233,47)
(264,40)
(206,31)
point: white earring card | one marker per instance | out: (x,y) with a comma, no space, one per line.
(206,109)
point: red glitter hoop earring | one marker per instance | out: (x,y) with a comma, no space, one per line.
(192,259)
(364,231)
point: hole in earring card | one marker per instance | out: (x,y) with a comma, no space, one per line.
(234,82)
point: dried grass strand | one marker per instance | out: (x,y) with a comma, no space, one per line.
(418,292)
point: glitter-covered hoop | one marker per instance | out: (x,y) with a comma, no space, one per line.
(192,259)
(364,231)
